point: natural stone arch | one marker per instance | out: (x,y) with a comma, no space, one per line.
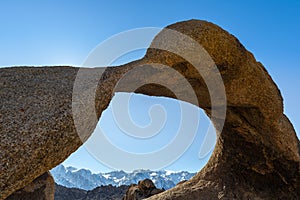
(256,155)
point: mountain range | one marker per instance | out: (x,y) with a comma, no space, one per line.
(72,177)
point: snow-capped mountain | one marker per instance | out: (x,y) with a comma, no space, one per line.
(85,179)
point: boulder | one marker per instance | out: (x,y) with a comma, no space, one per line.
(36,130)
(257,151)
(142,190)
(41,188)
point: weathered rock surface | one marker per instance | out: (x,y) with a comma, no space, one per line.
(41,188)
(257,152)
(142,190)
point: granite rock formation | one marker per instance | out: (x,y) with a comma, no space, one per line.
(142,190)
(257,151)
(41,188)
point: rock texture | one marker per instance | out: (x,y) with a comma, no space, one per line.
(36,130)
(41,188)
(257,152)
(142,190)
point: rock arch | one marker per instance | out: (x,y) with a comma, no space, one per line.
(257,152)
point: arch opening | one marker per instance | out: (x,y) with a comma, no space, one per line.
(141,125)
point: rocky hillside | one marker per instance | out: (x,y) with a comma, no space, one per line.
(107,192)
(85,179)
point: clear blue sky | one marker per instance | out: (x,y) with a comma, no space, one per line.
(61,32)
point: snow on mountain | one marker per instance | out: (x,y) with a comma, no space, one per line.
(85,179)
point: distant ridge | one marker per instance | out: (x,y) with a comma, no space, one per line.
(72,177)
(107,192)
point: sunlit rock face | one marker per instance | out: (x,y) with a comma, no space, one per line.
(257,151)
